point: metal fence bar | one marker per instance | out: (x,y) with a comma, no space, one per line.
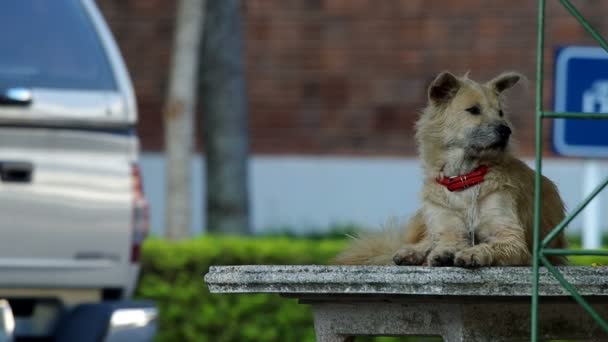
(538,161)
(574,115)
(552,251)
(539,250)
(577,296)
(562,225)
(579,17)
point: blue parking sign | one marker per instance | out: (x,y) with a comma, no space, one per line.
(581,85)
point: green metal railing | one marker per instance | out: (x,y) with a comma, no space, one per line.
(540,247)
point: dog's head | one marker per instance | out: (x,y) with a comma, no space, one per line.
(467,116)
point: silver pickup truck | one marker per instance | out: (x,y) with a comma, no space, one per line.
(72,205)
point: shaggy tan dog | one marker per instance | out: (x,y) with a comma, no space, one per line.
(477,199)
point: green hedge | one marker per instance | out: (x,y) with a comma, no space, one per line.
(172,275)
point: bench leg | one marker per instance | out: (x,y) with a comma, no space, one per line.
(447,337)
(325,333)
(464,322)
(342,321)
(328,337)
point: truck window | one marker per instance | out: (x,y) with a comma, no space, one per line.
(51,44)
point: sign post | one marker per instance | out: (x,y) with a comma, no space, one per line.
(581,85)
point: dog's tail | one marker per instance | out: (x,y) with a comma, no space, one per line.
(378,248)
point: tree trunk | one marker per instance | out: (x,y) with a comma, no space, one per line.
(179,116)
(225,123)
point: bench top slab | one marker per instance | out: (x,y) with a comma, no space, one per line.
(402,280)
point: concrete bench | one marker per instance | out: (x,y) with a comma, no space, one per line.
(487,304)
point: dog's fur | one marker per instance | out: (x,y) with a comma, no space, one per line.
(484,225)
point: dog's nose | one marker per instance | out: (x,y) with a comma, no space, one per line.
(503,131)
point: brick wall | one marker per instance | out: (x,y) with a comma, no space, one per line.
(349,76)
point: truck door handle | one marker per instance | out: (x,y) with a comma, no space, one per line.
(15,97)
(16,171)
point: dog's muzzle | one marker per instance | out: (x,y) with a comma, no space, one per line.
(503,133)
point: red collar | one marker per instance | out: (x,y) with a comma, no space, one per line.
(459,183)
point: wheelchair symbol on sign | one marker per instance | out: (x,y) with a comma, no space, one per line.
(595,99)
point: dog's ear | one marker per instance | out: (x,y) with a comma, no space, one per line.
(443,88)
(504,81)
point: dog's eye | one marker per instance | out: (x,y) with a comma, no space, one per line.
(474,110)
(501,113)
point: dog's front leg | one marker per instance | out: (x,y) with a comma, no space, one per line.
(501,238)
(504,248)
(448,234)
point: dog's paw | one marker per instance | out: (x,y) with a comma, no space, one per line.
(442,257)
(409,256)
(472,258)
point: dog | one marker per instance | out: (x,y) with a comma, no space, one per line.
(477,198)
